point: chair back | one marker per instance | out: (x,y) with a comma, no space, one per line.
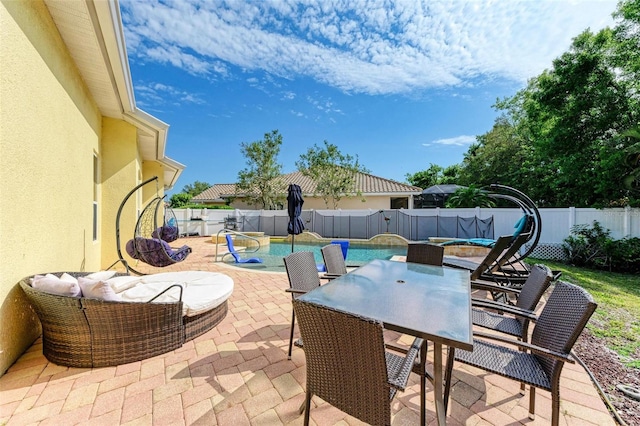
(501,244)
(506,257)
(425,253)
(333,259)
(345,361)
(302,271)
(537,282)
(560,323)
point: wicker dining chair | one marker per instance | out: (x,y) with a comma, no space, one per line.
(333,261)
(347,365)
(425,253)
(303,277)
(560,323)
(489,314)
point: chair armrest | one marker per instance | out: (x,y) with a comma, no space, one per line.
(295,290)
(514,310)
(167,289)
(330,276)
(533,348)
(492,286)
(400,379)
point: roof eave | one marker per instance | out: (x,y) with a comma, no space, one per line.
(152,137)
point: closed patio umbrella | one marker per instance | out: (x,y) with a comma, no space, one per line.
(294,206)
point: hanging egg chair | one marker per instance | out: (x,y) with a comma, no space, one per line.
(156,227)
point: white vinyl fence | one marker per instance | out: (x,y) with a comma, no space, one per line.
(415,224)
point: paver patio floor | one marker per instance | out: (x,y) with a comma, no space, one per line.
(238,374)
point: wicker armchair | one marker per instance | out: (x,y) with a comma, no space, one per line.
(85,333)
(425,253)
(347,365)
(333,261)
(303,277)
(560,323)
(516,325)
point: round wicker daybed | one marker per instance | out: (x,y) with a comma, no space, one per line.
(87,332)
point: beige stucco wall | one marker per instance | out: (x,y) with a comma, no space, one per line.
(121,171)
(49,131)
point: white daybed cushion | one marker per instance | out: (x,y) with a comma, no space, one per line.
(66,285)
(202,291)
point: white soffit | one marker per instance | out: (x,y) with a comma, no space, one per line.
(93,34)
(76,27)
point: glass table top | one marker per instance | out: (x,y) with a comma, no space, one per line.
(426,301)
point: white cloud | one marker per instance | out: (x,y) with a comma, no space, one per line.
(161,93)
(462,140)
(374,47)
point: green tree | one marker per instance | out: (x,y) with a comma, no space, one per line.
(434,175)
(468,197)
(334,173)
(559,139)
(196,188)
(179,200)
(632,160)
(426,178)
(261,181)
(450,174)
(497,157)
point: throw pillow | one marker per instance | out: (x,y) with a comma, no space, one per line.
(120,284)
(54,285)
(95,289)
(101,275)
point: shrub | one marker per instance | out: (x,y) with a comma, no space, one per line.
(593,247)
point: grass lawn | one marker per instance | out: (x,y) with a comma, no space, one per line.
(617,319)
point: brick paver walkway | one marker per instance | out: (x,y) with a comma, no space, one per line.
(238,374)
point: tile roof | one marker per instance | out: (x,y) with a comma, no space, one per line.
(367,184)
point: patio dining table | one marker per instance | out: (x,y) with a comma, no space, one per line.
(430,302)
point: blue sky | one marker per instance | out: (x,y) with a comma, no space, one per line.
(400,84)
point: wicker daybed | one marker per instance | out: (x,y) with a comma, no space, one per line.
(85,332)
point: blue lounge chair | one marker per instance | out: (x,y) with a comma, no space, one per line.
(236,255)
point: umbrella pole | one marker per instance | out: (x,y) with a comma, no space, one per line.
(292,238)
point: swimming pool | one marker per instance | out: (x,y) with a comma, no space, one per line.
(272,254)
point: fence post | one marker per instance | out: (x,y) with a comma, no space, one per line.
(572,217)
(626,227)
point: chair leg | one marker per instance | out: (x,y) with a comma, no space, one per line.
(555,408)
(293,321)
(532,402)
(307,408)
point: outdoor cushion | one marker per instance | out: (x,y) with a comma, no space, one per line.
(519,226)
(97,289)
(101,275)
(166,233)
(125,282)
(202,291)
(66,285)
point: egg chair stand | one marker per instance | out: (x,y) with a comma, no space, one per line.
(150,243)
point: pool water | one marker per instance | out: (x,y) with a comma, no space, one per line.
(272,254)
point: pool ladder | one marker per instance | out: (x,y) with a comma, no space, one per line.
(242,234)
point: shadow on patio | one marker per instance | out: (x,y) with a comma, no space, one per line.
(238,373)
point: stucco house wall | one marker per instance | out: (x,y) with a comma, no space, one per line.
(59,154)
